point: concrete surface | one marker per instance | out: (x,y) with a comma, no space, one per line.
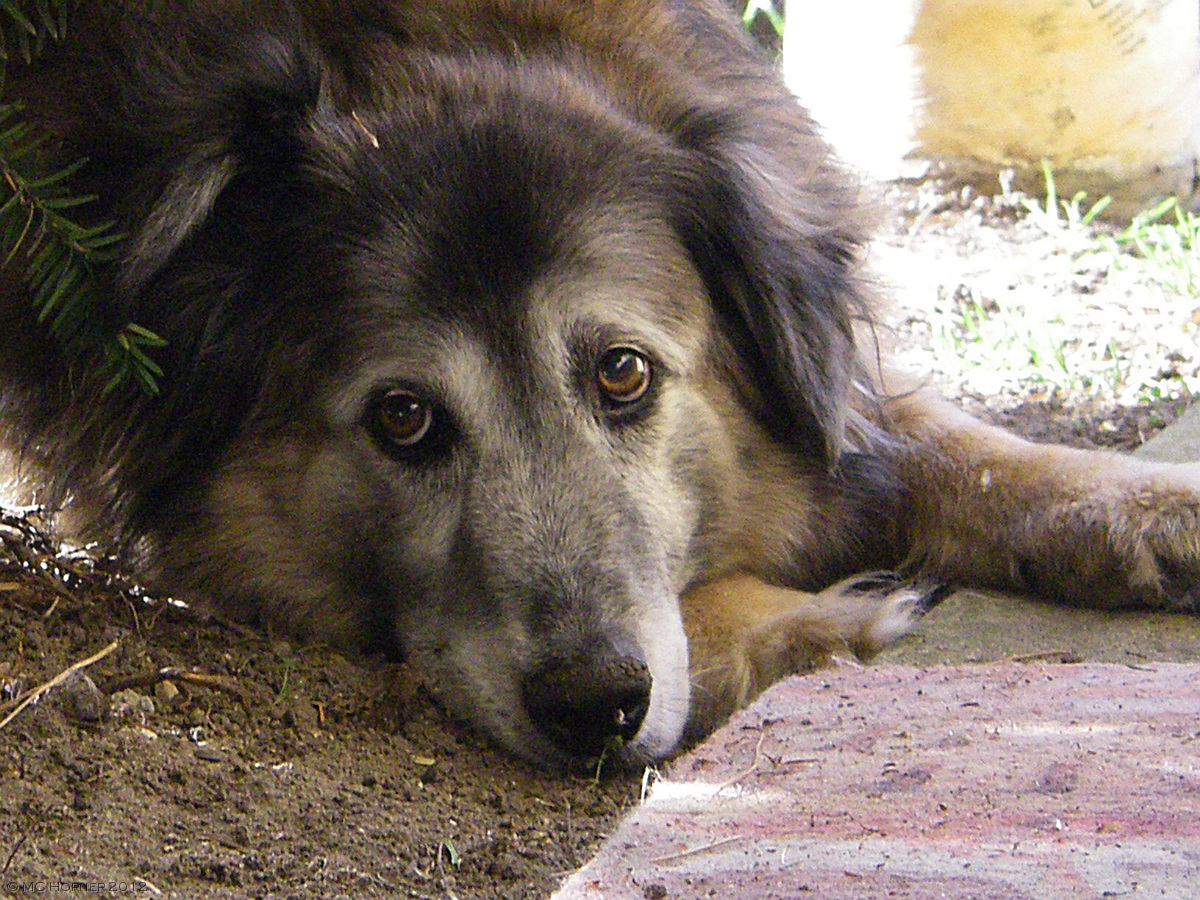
(1179,443)
(973,627)
(1065,762)
(1002,781)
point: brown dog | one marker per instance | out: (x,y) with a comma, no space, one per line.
(493,330)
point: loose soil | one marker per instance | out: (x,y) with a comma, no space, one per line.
(201,759)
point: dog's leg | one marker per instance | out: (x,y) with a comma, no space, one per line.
(1091,528)
(744,635)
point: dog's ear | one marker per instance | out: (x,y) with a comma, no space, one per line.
(209,144)
(217,111)
(771,228)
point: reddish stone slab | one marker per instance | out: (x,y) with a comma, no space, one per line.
(1001,781)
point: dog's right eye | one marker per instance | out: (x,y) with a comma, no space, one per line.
(402,421)
(623,375)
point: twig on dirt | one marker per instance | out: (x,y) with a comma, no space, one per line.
(17,846)
(696,851)
(20,538)
(137,622)
(1062,656)
(34,694)
(215,682)
(749,771)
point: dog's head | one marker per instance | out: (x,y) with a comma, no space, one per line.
(468,365)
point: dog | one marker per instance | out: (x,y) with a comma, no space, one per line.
(529,340)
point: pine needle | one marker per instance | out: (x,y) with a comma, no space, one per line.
(63,258)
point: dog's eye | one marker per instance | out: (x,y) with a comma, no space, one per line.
(623,375)
(400,419)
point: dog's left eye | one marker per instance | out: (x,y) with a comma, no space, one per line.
(624,375)
(402,421)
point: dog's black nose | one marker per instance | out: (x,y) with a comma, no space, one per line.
(589,703)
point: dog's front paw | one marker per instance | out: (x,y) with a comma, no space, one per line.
(1135,543)
(875,609)
(744,635)
(1158,538)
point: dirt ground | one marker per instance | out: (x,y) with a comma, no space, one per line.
(199,759)
(202,760)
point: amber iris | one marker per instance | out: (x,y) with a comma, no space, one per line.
(623,375)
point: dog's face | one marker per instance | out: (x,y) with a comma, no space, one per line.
(536,460)
(471,370)
(502,430)
(523,420)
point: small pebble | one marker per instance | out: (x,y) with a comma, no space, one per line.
(427,768)
(82,700)
(166,692)
(208,754)
(131,703)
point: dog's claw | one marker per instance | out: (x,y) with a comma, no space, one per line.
(934,593)
(924,594)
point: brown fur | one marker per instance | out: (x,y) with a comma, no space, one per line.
(470,207)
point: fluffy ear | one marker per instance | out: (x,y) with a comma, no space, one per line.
(216,110)
(206,147)
(772,232)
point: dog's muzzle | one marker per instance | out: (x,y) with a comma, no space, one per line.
(590,703)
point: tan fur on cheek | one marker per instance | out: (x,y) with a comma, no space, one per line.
(265,536)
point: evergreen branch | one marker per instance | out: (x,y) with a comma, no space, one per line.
(26,30)
(61,253)
(64,259)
